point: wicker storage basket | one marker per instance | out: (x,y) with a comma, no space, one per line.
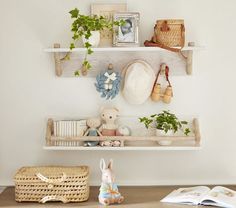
(54,183)
(170,33)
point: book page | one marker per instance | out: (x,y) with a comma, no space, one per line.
(191,195)
(220,196)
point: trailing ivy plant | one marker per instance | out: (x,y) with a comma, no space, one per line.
(82,25)
(165,121)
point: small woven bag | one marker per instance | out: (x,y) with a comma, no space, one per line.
(168,34)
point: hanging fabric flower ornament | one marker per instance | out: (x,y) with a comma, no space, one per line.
(108,83)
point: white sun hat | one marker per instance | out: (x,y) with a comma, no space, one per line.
(139,78)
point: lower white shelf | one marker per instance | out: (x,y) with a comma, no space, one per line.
(161,148)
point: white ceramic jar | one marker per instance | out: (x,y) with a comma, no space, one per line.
(164,142)
(94,39)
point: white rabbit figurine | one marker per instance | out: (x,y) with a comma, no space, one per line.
(109,193)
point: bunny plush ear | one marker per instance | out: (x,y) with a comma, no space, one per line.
(110,164)
(102,164)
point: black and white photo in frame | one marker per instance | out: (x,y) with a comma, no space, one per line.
(128,33)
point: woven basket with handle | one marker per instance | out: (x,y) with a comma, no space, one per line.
(170,33)
(52,183)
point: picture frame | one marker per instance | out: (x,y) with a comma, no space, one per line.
(128,34)
(108,11)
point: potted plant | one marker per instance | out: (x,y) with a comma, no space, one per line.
(88,29)
(166,124)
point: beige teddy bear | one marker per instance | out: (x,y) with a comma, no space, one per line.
(109,117)
(108,128)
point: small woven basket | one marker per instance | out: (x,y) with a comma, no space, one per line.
(54,183)
(170,33)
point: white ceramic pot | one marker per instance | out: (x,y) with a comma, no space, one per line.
(94,39)
(164,142)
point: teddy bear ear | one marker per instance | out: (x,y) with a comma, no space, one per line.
(116,109)
(102,108)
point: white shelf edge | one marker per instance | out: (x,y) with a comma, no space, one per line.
(120,49)
(159,148)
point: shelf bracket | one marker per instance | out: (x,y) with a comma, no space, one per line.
(58,68)
(49,131)
(196,132)
(189,62)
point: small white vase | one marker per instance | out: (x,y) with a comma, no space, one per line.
(94,39)
(164,142)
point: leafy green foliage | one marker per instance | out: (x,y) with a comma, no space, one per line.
(165,121)
(82,25)
(77,73)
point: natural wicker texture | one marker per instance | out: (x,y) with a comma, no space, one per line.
(52,183)
(170,33)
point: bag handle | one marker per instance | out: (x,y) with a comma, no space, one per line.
(166,75)
(53,198)
(51,181)
(151,43)
(148,43)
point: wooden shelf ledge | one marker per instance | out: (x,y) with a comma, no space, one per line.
(126,148)
(127,142)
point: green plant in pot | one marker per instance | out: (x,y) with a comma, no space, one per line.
(88,29)
(166,124)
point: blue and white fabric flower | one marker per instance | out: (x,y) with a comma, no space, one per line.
(108,84)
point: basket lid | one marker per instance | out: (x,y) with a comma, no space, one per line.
(52,171)
(170,21)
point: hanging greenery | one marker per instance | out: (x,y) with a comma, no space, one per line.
(82,25)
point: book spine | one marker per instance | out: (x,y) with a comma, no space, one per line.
(70,131)
(54,128)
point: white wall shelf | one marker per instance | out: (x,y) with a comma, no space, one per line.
(153,55)
(144,140)
(119,49)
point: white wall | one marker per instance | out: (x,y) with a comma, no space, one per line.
(30,92)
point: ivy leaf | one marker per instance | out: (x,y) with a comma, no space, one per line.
(187,131)
(87,44)
(86,64)
(76,73)
(75,37)
(87,36)
(72,45)
(89,66)
(90,51)
(74,13)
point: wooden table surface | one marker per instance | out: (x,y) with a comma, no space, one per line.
(138,197)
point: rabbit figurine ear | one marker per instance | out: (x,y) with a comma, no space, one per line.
(102,164)
(110,164)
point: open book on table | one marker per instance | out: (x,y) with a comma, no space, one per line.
(201,195)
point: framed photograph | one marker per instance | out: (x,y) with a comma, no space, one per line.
(127,34)
(108,11)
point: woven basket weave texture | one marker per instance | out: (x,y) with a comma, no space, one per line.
(52,183)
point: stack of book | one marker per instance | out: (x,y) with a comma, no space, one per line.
(72,128)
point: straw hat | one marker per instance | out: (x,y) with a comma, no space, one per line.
(139,78)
